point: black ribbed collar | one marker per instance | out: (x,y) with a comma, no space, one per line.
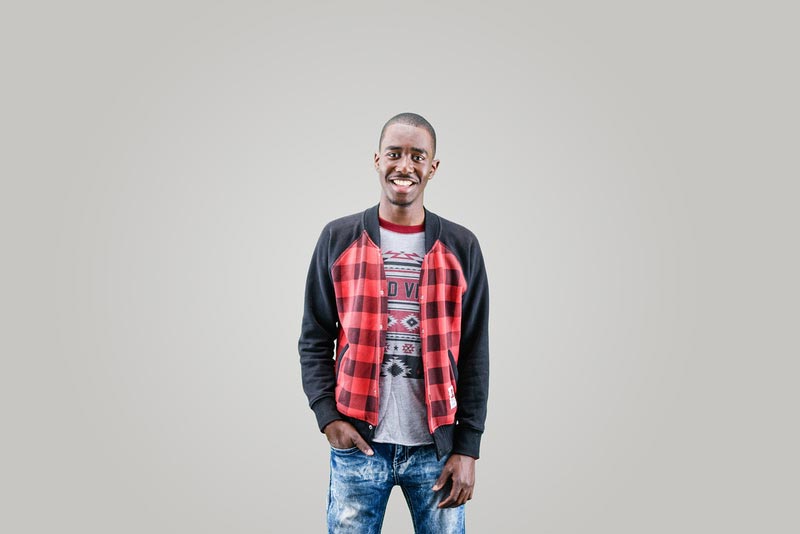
(433,226)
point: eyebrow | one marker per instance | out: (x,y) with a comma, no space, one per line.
(413,149)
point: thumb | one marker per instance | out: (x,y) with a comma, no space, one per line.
(362,445)
(442,480)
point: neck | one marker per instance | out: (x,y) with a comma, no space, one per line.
(404,215)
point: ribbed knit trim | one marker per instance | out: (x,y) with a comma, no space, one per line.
(401,229)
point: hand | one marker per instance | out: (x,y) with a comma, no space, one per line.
(343,435)
(461,470)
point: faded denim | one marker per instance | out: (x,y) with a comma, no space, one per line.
(360,486)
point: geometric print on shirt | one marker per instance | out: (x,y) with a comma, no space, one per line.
(403,354)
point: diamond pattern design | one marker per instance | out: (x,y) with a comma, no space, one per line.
(395,367)
(410,322)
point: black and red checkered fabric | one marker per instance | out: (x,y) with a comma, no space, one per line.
(347,301)
(360,287)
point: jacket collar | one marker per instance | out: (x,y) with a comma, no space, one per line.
(433,227)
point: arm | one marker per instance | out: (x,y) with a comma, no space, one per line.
(473,386)
(473,360)
(318,332)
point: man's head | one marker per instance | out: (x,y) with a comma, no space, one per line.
(405,160)
(412,119)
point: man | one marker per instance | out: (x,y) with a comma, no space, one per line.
(403,293)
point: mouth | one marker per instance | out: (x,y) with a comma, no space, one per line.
(402,182)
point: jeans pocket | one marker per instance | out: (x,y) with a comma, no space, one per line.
(349,450)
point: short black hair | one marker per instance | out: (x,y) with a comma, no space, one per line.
(412,119)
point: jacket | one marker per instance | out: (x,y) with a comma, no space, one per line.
(346,302)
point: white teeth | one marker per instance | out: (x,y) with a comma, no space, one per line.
(402,182)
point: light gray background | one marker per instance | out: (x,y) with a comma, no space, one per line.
(629,167)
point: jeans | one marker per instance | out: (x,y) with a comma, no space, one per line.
(360,487)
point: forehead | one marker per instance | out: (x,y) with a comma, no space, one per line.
(407,136)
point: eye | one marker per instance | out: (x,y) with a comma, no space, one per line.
(391,155)
(417,157)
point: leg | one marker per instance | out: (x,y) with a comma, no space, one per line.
(359,490)
(417,476)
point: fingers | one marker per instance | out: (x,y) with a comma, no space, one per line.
(359,442)
(462,477)
(456,489)
(343,435)
(459,494)
(457,497)
(451,500)
(442,480)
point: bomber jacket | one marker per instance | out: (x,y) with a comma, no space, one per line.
(346,301)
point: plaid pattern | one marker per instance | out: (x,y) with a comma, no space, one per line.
(358,282)
(360,287)
(442,284)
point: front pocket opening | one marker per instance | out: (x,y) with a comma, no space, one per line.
(339,360)
(453,365)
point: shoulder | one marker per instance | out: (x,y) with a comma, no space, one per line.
(463,244)
(460,241)
(456,236)
(349,223)
(340,233)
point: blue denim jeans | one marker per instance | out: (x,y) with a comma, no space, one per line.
(360,487)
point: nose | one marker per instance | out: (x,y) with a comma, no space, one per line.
(405,165)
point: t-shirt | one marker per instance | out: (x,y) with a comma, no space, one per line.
(402,414)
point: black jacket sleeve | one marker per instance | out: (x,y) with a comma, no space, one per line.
(473,360)
(318,333)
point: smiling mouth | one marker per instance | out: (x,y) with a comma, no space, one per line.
(401,182)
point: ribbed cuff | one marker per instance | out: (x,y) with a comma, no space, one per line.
(467,441)
(326,412)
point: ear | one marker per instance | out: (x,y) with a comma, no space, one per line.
(377,160)
(434,166)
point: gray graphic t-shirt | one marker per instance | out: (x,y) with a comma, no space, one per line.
(402,413)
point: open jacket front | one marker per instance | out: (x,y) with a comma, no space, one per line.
(346,301)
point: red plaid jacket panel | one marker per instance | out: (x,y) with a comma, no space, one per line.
(358,283)
(441,288)
(360,286)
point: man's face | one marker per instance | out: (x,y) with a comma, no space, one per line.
(405,164)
